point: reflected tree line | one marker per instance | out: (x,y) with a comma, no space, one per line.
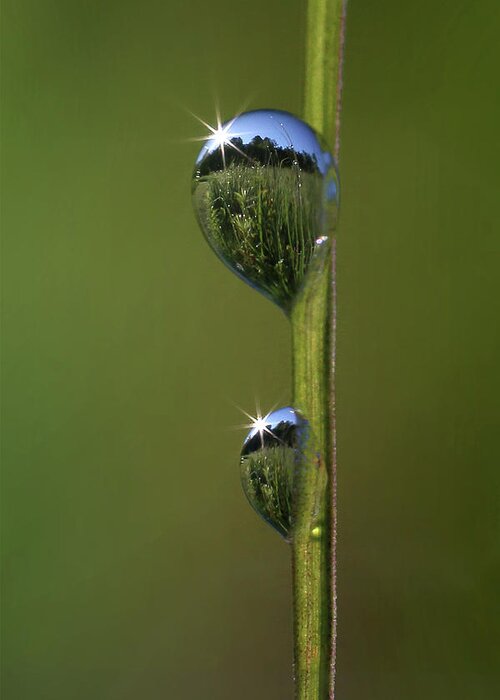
(284,434)
(262,151)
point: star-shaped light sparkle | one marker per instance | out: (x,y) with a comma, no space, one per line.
(259,424)
(220,136)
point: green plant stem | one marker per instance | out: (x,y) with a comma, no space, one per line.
(313,331)
(323,68)
(312,545)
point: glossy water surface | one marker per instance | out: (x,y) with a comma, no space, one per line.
(272,453)
(266,193)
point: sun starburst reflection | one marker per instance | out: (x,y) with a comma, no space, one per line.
(259,424)
(220,136)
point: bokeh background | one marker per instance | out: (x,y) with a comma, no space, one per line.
(132,565)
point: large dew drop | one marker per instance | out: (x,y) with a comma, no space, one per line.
(273,454)
(266,194)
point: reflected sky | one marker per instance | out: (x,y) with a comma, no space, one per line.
(274,425)
(286,130)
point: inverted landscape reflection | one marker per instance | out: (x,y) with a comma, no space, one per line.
(266,194)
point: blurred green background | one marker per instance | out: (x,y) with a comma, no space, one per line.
(132,565)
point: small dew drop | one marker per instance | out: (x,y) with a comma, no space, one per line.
(272,453)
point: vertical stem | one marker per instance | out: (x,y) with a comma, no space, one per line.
(313,320)
(323,68)
(312,546)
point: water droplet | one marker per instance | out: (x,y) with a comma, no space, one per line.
(316,532)
(273,453)
(265,189)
